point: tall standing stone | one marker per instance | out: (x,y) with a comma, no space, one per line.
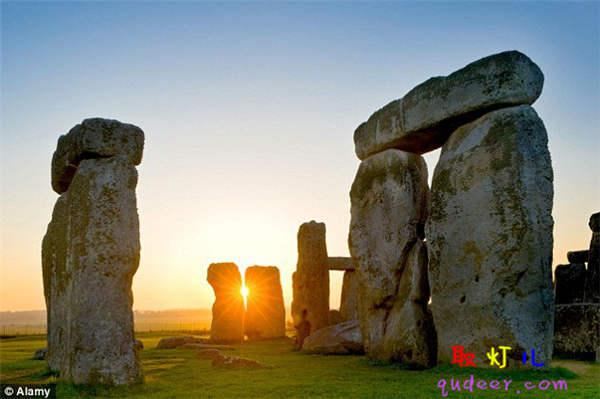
(265,312)
(227,325)
(490,237)
(350,292)
(389,200)
(311,278)
(592,293)
(91,252)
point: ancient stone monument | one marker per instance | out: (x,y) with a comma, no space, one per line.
(227,324)
(310,281)
(265,312)
(389,200)
(489,229)
(349,301)
(577,312)
(90,253)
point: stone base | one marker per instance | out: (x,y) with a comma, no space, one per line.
(577,330)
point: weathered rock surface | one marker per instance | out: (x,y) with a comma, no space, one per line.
(578,256)
(389,200)
(89,256)
(227,324)
(350,293)
(490,237)
(592,291)
(57,283)
(176,342)
(94,138)
(577,329)
(311,278)
(423,119)
(340,263)
(569,283)
(265,311)
(339,339)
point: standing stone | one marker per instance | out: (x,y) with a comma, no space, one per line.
(423,119)
(57,284)
(569,283)
(265,313)
(311,279)
(227,324)
(578,256)
(593,269)
(94,138)
(577,331)
(89,256)
(490,237)
(350,292)
(389,200)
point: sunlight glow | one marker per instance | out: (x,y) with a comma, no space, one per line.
(245,292)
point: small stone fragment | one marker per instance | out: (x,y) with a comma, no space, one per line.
(176,342)
(339,339)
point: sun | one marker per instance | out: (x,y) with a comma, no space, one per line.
(245,292)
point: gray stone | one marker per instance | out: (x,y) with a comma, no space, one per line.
(227,325)
(490,237)
(339,339)
(340,263)
(423,119)
(40,354)
(592,290)
(578,256)
(265,311)
(577,329)
(176,342)
(389,199)
(350,293)
(57,283)
(569,283)
(235,362)
(94,138)
(311,278)
(89,256)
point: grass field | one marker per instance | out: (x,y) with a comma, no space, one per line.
(180,374)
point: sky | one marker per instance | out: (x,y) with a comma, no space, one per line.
(249,111)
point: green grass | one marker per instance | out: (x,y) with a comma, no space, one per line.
(179,374)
